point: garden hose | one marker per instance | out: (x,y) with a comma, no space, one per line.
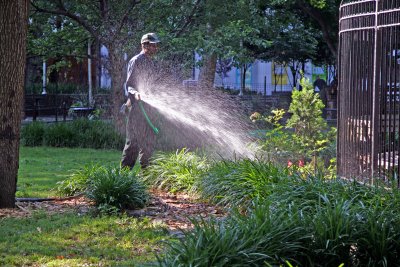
(155,130)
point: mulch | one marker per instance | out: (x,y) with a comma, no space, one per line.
(172,210)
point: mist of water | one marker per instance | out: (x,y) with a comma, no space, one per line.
(199,118)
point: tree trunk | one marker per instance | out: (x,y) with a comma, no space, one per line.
(325,25)
(207,72)
(13,28)
(243,79)
(118,76)
(98,65)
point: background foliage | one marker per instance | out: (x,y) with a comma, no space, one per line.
(78,133)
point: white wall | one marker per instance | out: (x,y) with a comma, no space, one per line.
(105,78)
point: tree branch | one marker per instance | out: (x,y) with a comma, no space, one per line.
(325,28)
(189,18)
(63,12)
(104,10)
(125,16)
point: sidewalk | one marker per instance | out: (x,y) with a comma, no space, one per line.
(46,119)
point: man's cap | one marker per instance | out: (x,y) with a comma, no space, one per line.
(151,38)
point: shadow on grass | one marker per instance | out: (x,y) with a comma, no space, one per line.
(73,240)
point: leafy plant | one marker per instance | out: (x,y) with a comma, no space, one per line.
(78,181)
(305,136)
(262,237)
(78,133)
(54,88)
(120,188)
(331,228)
(177,171)
(378,235)
(311,130)
(32,134)
(238,183)
(60,135)
(307,222)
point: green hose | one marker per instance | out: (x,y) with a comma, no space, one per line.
(155,130)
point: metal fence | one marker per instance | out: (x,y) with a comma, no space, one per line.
(369,89)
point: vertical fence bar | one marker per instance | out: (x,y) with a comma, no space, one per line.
(375,97)
(369,96)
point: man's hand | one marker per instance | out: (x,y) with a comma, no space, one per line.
(137,96)
(128,103)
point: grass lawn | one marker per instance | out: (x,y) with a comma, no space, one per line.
(72,240)
(40,168)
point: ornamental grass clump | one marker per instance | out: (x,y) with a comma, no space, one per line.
(238,183)
(307,222)
(346,222)
(78,181)
(115,187)
(175,171)
(110,188)
(258,238)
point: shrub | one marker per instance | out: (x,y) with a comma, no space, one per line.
(78,133)
(32,134)
(120,188)
(55,88)
(307,222)
(78,181)
(259,238)
(238,183)
(346,222)
(97,134)
(175,172)
(306,134)
(60,135)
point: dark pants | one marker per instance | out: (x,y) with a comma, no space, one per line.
(140,137)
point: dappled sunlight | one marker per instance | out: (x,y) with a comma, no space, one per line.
(72,239)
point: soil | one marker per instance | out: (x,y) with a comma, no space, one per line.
(172,210)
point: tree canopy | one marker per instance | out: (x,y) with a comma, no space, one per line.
(243,31)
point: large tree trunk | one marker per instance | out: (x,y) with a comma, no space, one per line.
(207,72)
(13,28)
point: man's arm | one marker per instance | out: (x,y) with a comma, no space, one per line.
(130,84)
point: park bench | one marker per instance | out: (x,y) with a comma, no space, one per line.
(81,112)
(47,105)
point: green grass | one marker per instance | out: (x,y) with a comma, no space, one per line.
(72,240)
(40,168)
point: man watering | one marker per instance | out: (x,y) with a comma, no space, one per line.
(141,75)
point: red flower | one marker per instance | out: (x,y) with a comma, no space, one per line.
(301,163)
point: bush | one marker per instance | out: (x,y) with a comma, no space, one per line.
(179,171)
(307,222)
(53,88)
(32,134)
(306,135)
(120,188)
(78,133)
(259,238)
(238,183)
(78,181)
(97,134)
(60,135)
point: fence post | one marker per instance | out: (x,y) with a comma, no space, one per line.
(265,85)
